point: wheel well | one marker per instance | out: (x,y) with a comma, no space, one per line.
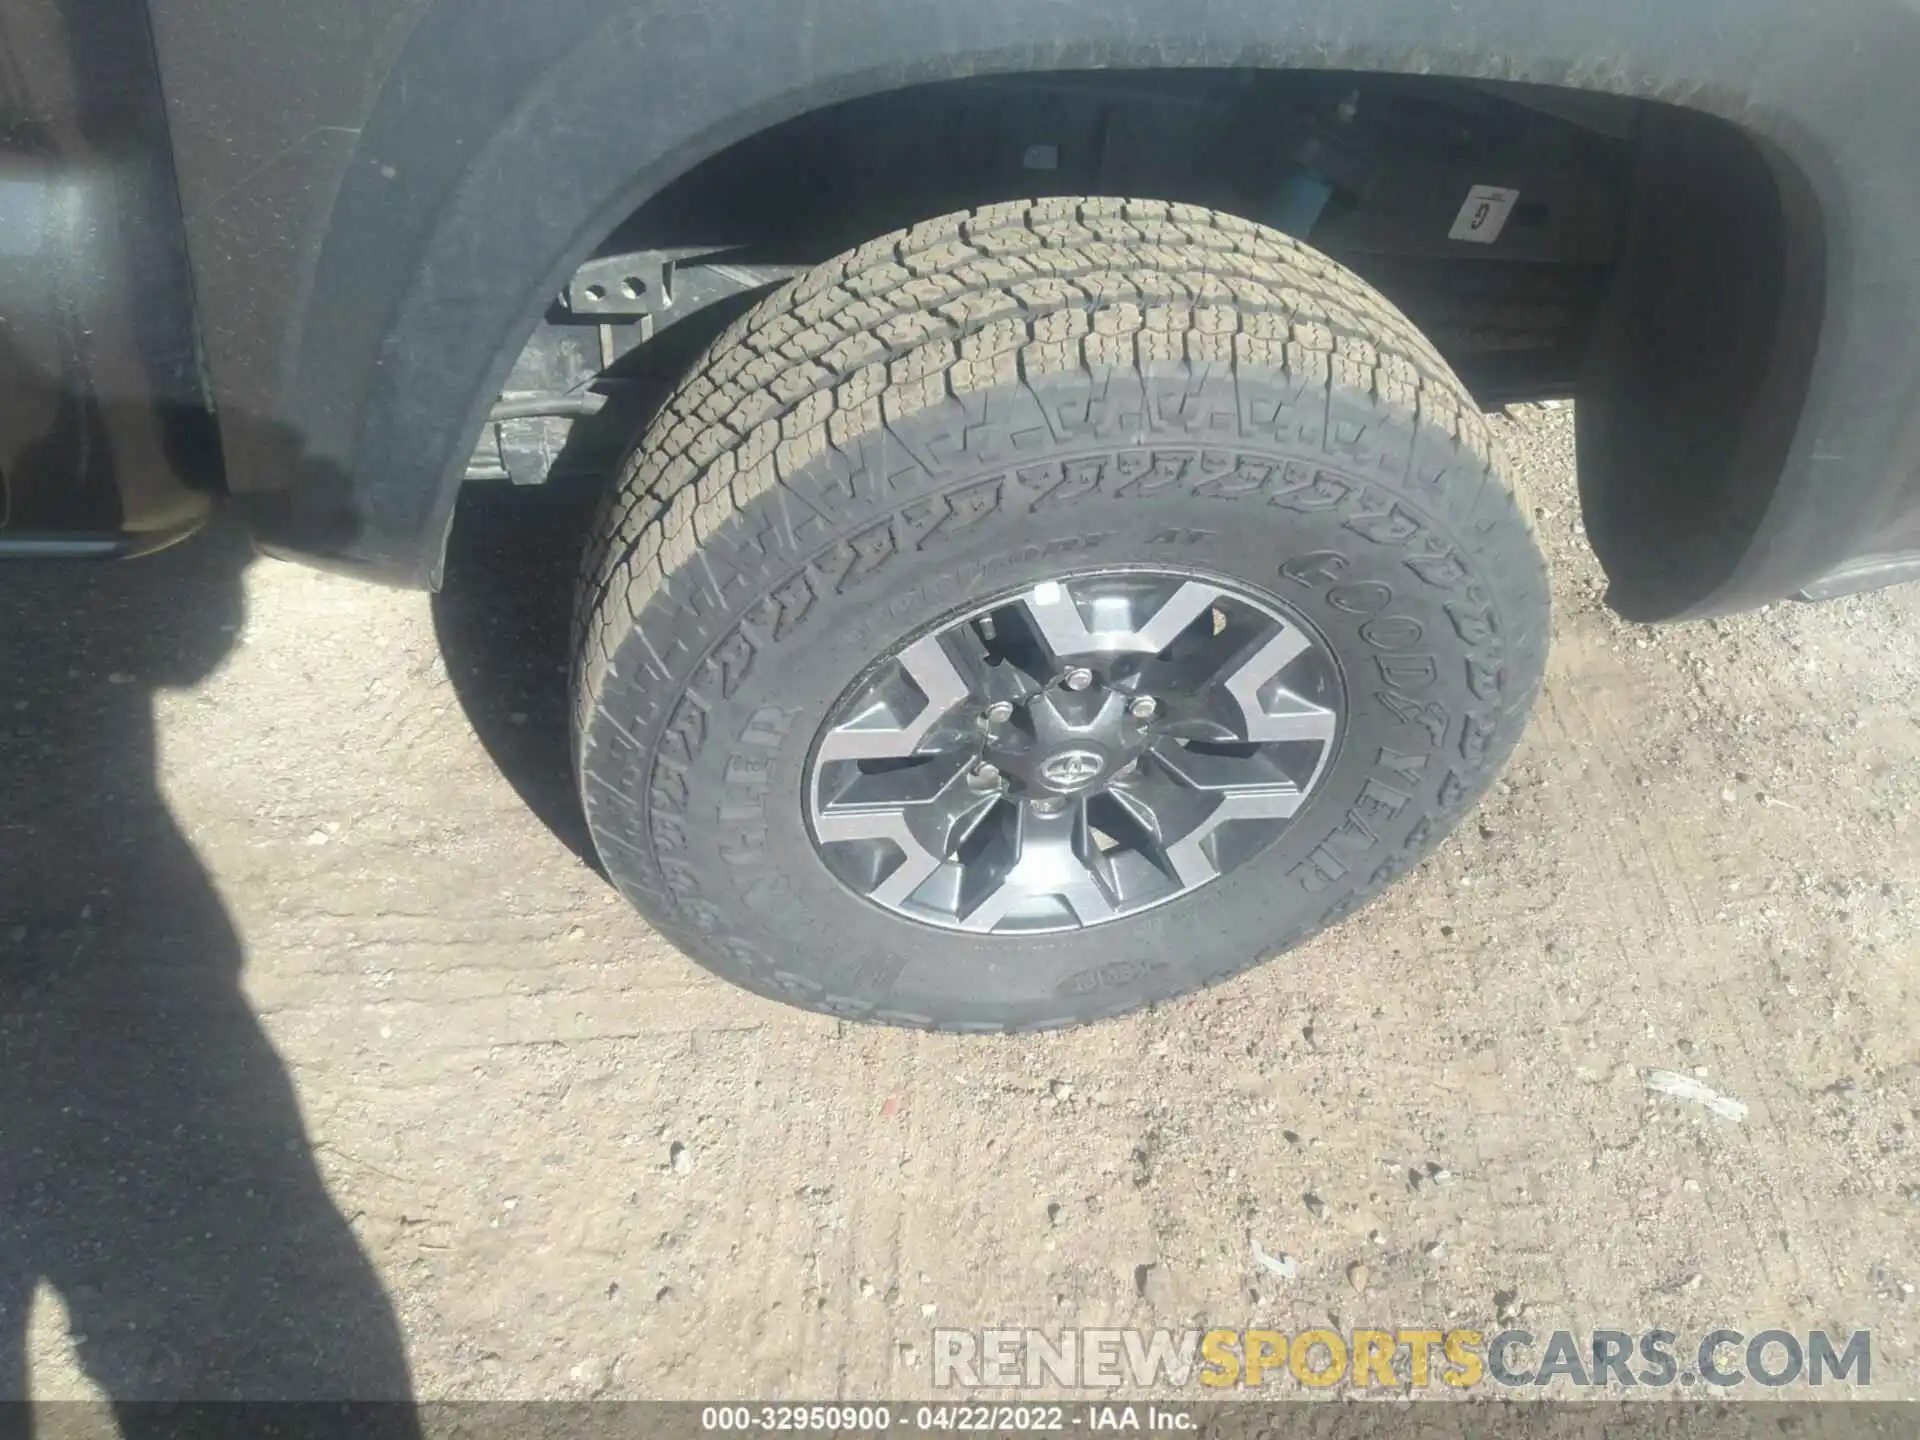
(1658,264)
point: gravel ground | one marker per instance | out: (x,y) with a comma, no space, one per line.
(330,1064)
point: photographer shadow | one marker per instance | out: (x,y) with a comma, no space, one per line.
(155,1171)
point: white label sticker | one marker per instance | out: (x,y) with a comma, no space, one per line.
(1484,216)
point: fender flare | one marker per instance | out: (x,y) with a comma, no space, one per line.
(511,138)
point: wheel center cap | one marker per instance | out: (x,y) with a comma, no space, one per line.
(1070,769)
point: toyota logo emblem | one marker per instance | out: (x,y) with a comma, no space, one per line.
(1071,769)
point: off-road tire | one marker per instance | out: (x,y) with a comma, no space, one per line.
(989,400)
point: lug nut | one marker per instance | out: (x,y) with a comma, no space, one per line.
(1143,707)
(984,776)
(1078,678)
(1049,807)
(1000,711)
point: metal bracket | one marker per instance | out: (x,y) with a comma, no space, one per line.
(611,304)
(658,287)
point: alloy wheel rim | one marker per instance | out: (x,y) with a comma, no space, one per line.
(1074,752)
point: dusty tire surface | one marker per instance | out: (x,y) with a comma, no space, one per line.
(987,401)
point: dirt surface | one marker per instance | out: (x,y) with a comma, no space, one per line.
(463,1101)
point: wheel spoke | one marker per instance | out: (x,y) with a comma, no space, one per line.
(1048,864)
(962,814)
(1214,773)
(1118,626)
(889,725)
(1189,855)
(1248,787)
(882,822)
(1160,803)
(1272,712)
(926,810)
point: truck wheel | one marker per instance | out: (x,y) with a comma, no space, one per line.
(1044,611)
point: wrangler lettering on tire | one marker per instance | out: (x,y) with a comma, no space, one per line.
(1043,611)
